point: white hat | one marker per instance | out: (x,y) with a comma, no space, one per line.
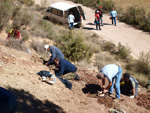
(46,46)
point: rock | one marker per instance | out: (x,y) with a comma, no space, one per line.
(30,72)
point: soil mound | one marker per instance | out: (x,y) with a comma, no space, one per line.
(107,101)
(144,101)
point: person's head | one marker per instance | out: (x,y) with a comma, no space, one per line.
(71,13)
(47,47)
(126,76)
(113,9)
(100,75)
(97,12)
(56,60)
(100,7)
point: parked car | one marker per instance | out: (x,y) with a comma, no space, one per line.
(58,12)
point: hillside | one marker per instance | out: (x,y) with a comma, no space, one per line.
(18,74)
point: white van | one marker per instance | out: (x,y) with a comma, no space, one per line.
(59,12)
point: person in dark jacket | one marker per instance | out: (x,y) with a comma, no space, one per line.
(129,85)
(8,103)
(64,66)
(55,52)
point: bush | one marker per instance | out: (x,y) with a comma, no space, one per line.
(6,11)
(38,47)
(123,52)
(143,63)
(16,44)
(23,17)
(109,46)
(106,4)
(73,47)
(137,17)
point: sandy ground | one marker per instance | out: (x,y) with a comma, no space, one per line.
(135,39)
(18,74)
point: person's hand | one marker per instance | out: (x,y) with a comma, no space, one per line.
(46,64)
(105,91)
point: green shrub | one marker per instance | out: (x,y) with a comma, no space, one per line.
(38,47)
(109,46)
(106,4)
(24,35)
(136,16)
(6,11)
(74,48)
(23,17)
(143,63)
(123,52)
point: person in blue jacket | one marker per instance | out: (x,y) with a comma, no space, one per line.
(64,66)
(8,103)
(55,52)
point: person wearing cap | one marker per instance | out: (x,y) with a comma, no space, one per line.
(113,15)
(129,85)
(55,52)
(111,72)
(101,15)
(97,18)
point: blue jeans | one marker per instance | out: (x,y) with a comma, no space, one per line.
(101,19)
(71,26)
(117,83)
(114,19)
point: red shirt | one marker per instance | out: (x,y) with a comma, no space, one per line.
(97,16)
(17,35)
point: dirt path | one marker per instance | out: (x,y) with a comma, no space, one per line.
(137,40)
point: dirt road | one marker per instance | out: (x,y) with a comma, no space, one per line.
(137,40)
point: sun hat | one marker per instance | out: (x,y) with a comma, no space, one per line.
(46,46)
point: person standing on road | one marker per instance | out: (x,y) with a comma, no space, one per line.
(71,20)
(97,18)
(55,52)
(111,72)
(113,15)
(101,15)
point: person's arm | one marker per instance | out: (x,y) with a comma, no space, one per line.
(110,83)
(53,55)
(133,90)
(61,70)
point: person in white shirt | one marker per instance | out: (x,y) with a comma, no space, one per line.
(71,20)
(111,72)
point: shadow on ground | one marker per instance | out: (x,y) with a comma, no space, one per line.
(88,28)
(91,88)
(27,103)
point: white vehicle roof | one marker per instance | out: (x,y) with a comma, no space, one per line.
(62,6)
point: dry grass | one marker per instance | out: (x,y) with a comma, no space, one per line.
(126,3)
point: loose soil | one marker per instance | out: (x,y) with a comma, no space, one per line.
(144,100)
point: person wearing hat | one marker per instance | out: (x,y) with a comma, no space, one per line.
(97,17)
(55,52)
(101,15)
(111,72)
(129,85)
